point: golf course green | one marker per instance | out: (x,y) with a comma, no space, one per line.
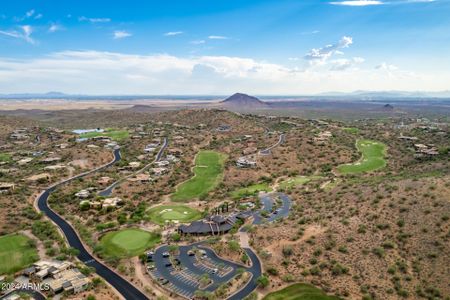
(208,172)
(16,253)
(299,291)
(172,213)
(116,135)
(251,190)
(128,242)
(372,158)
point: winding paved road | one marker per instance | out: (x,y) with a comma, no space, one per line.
(266,151)
(107,192)
(128,290)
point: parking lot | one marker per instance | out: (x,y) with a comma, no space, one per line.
(184,278)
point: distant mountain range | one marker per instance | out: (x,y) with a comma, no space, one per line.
(363,95)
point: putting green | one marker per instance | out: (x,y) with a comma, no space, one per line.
(128,242)
(208,172)
(299,291)
(372,158)
(16,253)
(173,213)
(251,190)
(116,135)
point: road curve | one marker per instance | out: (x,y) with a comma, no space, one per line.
(125,288)
(107,192)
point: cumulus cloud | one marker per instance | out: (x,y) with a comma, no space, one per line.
(321,55)
(121,34)
(345,63)
(117,73)
(94,20)
(173,33)
(25,35)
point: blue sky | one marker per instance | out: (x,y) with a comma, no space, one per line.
(219,47)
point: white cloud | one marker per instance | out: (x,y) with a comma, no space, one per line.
(25,35)
(321,55)
(376,2)
(217,37)
(173,33)
(386,67)
(197,42)
(344,64)
(120,34)
(358,3)
(117,73)
(29,13)
(94,20)
(55,28)
(310,32)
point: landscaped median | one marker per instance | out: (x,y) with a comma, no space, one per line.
(372,159)
(299,291)
(127,242)
(163,214)
(16,252)
(208,172)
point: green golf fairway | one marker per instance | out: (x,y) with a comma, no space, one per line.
(250,190)
(372,158)
(299,291)
(175,213)
(16,253)
(128,242)
(116,135)
(208,172)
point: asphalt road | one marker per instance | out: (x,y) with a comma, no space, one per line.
(127,290)
(107,192)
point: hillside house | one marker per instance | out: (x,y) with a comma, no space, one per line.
(245,162)
(6,187)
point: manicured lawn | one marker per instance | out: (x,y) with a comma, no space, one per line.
(372,158)
(176,213)
(299,291)
(5,157)
(116,135)
(251,190)
(16,253)
(351,130)
(295,181)
(128,242)
(208,172)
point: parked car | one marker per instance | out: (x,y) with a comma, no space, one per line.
(214,271)
(168,264)
(191,253)
(166,254)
